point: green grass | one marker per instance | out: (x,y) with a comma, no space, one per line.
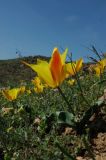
(54,124)
(22,138)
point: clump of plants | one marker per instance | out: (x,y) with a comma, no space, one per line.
(52,116)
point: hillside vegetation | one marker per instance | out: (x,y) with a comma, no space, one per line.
(60,115)
(14,71)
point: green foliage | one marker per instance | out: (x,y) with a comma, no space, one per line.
(35,126)
(66,118)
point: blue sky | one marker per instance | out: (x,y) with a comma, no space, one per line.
(35,27)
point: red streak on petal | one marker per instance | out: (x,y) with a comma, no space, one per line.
(56,67)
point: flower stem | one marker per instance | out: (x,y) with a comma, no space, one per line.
(69,105)
(78,82)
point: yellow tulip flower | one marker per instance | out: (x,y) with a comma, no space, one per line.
(97,70)
(38,85)
(36,81)
(73,68)
(99,67)
(11,94)
(71,82)
(22,89)
(102,63)
(52,73)
(38,88)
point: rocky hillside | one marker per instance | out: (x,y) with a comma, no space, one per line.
(14,71)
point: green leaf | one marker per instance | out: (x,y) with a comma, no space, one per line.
(99,102)
(65,118)
(64,152)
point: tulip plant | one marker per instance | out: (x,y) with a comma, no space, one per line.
(58,104)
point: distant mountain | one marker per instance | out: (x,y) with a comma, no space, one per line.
(13,71)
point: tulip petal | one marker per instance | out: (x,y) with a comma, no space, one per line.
(43,71)
(11,94)
(97,70)
(79,64)
(70,68)
(63,56)
(39,61)
(56,66)
(102,63)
